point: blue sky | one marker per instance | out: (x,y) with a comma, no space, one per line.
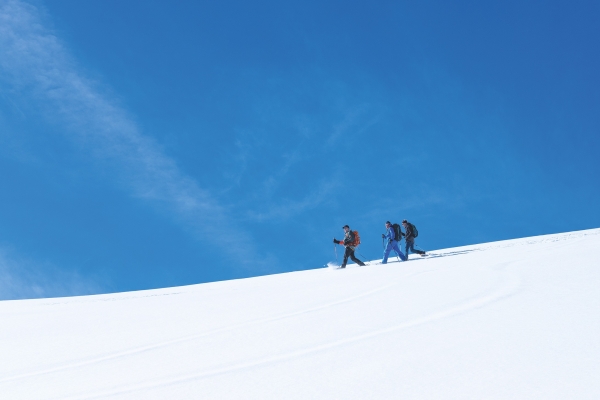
(147,144)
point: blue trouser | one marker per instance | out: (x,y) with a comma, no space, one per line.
(410,246)
(392,245)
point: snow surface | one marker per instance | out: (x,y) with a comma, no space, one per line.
(517,319)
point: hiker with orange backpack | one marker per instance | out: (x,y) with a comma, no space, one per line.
(351,240)
(392,243)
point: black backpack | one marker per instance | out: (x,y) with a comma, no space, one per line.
(414,230)
(397,231)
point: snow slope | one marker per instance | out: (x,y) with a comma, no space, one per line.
(517,319)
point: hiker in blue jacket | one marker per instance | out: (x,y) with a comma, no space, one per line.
(391,244)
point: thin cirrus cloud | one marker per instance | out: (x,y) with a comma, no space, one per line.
(33,60)
(323,192)
(26,279)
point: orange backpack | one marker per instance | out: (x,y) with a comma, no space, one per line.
(356,239)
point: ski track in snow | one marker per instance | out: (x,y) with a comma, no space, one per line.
(510,288)
(143,349)
(509,284)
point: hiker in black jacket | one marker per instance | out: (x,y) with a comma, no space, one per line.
(409,236)
(348,242)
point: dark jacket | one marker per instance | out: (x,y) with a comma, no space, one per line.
(409,235)
(349,238)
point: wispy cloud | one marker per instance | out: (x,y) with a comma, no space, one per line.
(290,208)
(353,123)
(25,279)
(33,60)
(313,141)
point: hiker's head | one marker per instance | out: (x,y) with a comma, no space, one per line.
(388,224)
(404,222)
(346,228)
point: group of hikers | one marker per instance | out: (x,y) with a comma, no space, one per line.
(393,235)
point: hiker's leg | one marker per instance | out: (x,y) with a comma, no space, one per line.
(346,254)
(356,260)
(412,248)
(386,253)
(397,250)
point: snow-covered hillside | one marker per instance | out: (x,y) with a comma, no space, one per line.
(517,319)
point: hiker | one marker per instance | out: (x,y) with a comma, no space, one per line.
(391,244)
(350,243)
(409,235)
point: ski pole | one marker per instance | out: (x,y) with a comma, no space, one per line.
(336,257)
(359,253)
(420,248)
